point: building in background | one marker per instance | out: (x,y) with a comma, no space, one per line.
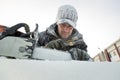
(111,53)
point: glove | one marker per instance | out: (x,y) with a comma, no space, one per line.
(56,44)
(78,54)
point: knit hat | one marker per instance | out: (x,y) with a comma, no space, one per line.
(67,14)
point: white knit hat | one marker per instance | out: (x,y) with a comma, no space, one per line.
(67,14)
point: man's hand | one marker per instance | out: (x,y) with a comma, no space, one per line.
(78,54)
(56,44)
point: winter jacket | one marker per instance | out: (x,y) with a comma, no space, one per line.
(74,44)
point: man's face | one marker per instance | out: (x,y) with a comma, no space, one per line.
(64,30)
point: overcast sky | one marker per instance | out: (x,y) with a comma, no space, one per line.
(99,20)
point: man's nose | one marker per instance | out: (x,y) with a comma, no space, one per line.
(66,29)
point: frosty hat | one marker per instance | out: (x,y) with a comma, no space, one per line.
(67,14)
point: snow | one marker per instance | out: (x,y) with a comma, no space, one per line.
(50,54)
(16,69)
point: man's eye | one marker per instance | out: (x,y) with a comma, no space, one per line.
(63,24)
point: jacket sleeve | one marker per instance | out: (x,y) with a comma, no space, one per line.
(78,54)
(43,39)
(83,46)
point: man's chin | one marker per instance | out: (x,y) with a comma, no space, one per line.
(64,38)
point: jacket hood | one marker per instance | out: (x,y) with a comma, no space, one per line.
(51,30)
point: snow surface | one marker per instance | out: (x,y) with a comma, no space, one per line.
(16,69)
(50,54)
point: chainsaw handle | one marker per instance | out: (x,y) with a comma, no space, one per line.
(13,29)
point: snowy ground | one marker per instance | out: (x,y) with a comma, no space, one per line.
(12,69)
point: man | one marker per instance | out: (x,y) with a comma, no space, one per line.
(63,35)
